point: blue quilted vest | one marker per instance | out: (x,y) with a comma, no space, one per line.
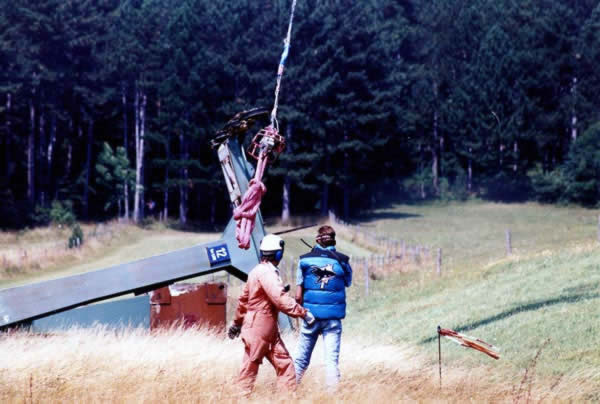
(324,285)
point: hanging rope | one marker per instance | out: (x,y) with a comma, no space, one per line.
(245,213)
(284,55)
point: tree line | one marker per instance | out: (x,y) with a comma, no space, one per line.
(107,106)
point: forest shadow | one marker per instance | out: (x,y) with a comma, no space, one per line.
(370,217)
(518,310)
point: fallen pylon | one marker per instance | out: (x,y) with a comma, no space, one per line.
(466,341)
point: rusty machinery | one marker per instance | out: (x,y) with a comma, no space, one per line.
(37,302)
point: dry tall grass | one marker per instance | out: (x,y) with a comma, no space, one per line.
(31,252)
(42,253)
(101,365)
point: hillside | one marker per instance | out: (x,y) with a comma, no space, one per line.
(544,296)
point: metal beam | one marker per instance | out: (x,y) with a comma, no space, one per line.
(30,302)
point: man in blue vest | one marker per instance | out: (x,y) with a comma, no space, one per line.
(322,278)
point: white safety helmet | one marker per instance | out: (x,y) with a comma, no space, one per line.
(272,246)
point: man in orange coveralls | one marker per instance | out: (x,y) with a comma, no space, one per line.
(263,298)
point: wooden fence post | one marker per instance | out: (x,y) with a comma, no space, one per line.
(508,243)
(332,217)
(366,271)
(439,261)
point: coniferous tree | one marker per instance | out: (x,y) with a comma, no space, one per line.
(114,172)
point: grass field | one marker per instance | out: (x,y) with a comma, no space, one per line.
(473,234)
(47,256)
(194,366)
(540,306)
(546,294)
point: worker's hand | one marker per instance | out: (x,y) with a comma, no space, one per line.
(309,318)
(234,331)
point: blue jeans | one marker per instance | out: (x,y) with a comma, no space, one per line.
(332,334)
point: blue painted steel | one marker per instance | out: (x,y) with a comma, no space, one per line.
(218,254)
(133,312)
(30,302)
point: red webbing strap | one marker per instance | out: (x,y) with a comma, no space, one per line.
(245,214)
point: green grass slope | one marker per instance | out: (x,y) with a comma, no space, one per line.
(515,305)
(473,234)
(545,297)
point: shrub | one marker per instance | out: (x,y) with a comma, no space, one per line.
(62,213)
(76,239)
(582,168)
(40,215)
(59,213)
(419,185)
(548,186)
(507,186)
(460,191)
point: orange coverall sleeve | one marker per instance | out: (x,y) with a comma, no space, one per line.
(273,287)
(242,307)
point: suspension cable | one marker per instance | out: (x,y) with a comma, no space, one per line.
(284,56)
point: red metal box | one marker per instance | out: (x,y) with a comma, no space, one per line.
(189,304)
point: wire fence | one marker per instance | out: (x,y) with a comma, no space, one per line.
(388,256)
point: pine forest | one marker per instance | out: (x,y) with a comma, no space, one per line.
(107,107)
